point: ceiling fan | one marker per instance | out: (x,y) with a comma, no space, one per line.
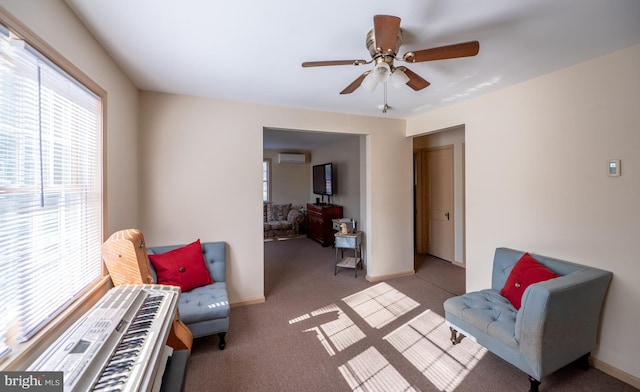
(383,42)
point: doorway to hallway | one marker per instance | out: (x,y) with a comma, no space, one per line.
(439,194)
(435,202)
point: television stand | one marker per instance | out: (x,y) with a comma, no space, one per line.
(320,224)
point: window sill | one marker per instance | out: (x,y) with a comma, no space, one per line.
(23,354)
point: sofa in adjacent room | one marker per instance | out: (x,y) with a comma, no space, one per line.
(281,221)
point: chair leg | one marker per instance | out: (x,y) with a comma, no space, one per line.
(222,343)
(583,361)
(456,337)
(534,384)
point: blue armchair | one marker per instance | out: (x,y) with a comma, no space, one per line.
(556,324)
(205,310)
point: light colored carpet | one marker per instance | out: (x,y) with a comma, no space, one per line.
(323,332)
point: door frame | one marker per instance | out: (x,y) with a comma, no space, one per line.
(422,220)
(450,136)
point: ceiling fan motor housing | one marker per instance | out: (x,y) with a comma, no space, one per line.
(379,56)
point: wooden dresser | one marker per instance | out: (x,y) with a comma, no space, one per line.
(319,225)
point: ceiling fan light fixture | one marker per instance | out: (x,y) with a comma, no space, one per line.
(399,78)
(381,71)
(370,83)
(379,74)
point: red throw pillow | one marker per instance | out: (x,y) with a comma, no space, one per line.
(184,267)
(526,272)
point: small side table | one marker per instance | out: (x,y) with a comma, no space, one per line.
(348,241)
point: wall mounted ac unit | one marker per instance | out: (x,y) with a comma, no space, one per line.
(288,157)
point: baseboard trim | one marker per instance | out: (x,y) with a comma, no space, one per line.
(615,372)
(246,302)
(293,237)
(380,278)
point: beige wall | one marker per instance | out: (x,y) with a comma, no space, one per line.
(536,172)
(293,183)
(201,178)
(54,22)
(345,156)
(289,181)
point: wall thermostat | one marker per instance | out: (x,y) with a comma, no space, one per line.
(614,167)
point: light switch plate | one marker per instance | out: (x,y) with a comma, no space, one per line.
(614,167)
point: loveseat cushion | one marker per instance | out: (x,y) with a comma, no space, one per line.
(278,225)
(204,303)
(486,310)
(184,267)
(526,272)
(277,212)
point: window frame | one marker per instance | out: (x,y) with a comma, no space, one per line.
(266,161)
(24,353)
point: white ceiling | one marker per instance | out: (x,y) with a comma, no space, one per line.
(252,51)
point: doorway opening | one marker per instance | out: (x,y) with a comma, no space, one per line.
(439,214)
(291,184)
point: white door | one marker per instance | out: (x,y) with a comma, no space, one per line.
(440,203)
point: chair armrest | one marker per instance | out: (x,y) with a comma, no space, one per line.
(559,318)
(295,217)
(214,254)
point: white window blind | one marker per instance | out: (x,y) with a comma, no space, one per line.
(266,178)
(50,189)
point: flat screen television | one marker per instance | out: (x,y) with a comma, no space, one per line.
(323,179)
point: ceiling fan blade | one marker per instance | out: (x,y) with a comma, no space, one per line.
(386,28)
(332,62)
(416,82)
(355,84)
(464,49)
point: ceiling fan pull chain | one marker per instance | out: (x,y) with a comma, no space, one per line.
(385,107)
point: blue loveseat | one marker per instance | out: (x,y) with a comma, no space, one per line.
(556,324)
(205,310)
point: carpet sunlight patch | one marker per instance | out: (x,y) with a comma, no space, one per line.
(336,334)
(424,342)
(380,304)
(371,372)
